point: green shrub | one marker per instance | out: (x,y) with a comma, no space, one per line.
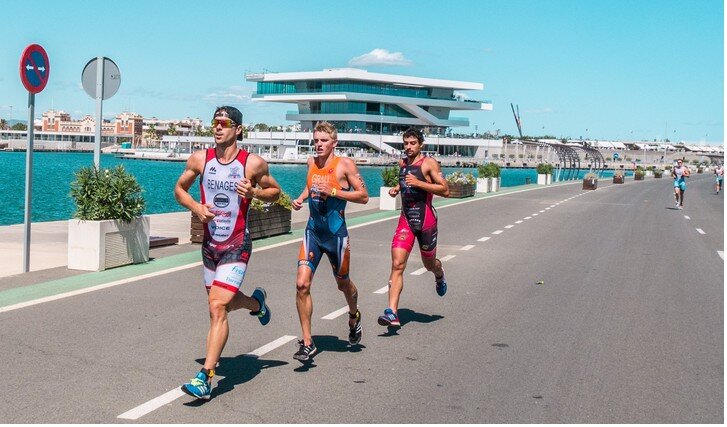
(461,178)
(489,170)
(284,201)
(544,168)
(658,173)
(106,194)
(639,172)
(390,175)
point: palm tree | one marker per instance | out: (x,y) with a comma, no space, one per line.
(3,124)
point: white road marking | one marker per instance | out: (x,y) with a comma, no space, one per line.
(535,214)
(528,217)
(483,239)
(552,206)
(446,258)
(721,254)
(335,314)
(383,290)
(701,231)
(419,272)
(172,395)
(509,226)
(547,209)
(497,232)
(466,248)
(686,216)
(541,211)
(519,221)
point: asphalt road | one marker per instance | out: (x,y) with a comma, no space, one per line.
(626,327)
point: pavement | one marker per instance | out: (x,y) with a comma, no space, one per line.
(564,306)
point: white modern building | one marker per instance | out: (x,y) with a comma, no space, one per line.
(371,110)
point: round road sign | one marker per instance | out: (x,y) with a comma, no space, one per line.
(34,68)
(111,78)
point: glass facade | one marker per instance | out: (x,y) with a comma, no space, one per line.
(327,86)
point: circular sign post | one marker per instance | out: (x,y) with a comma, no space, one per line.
(101,79)
(34,73)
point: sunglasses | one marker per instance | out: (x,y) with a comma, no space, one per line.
(225,123)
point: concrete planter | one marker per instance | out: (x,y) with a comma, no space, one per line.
(618,179)
(484,185)
(459,191)
(386,202)
(543,178)
(549,179)
(495,184)
(638,177)
(99,245)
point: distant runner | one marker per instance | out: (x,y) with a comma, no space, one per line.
(719,175)
(420,178)
(230,178)
(332,181)
(679,173)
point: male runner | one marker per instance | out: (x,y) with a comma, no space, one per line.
(679,173)
(332,181)
(719,176)
(420,178)
(230,178)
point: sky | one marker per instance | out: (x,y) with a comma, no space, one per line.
(607,69)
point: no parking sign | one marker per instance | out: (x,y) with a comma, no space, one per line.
(34,68)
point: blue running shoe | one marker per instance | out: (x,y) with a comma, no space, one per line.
(389,318)
(263,314)
(199,387)
(441,285)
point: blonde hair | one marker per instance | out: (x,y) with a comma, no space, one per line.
(327,128)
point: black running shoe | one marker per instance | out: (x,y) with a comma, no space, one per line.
(354,334)
(306,352)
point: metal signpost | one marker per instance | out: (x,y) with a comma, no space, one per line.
(34,73)
(101,79)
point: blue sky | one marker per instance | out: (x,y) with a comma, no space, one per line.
(608,69)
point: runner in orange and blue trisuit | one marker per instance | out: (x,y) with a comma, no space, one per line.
(420,178)
(332,181)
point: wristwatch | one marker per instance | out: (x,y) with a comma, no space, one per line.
(333,192)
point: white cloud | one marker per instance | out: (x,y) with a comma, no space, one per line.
(231,95)
(379,57)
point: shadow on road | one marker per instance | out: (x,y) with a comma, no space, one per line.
(329,343)
(406,316)
(236,370)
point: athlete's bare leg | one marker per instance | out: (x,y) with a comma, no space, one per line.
(434,265)
(351,293)
(304,301)
(219,299)
(399,258)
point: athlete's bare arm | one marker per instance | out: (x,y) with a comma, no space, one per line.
(194,167)
(351,174)
(257,174)
(434,182)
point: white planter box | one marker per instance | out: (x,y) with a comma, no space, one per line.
(386,202)
(483,185)
(542,179)
(98,245)
(495,184)
(549,179)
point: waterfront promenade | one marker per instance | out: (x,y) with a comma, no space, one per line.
(564,306)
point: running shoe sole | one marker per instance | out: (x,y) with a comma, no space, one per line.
(187,391)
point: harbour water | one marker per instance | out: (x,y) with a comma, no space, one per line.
(53,173)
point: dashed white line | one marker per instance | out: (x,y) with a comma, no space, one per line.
(542,211)
(552,206)
(547,209)
(419,272)
(446,258)
(172,395)
(686,216)
(534,214)
(700,231)
(509,226)
(528,217)
(497,232)
(721,254)
(519,221)
(483,239)
(335,314)
(383,290)
(466,248)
